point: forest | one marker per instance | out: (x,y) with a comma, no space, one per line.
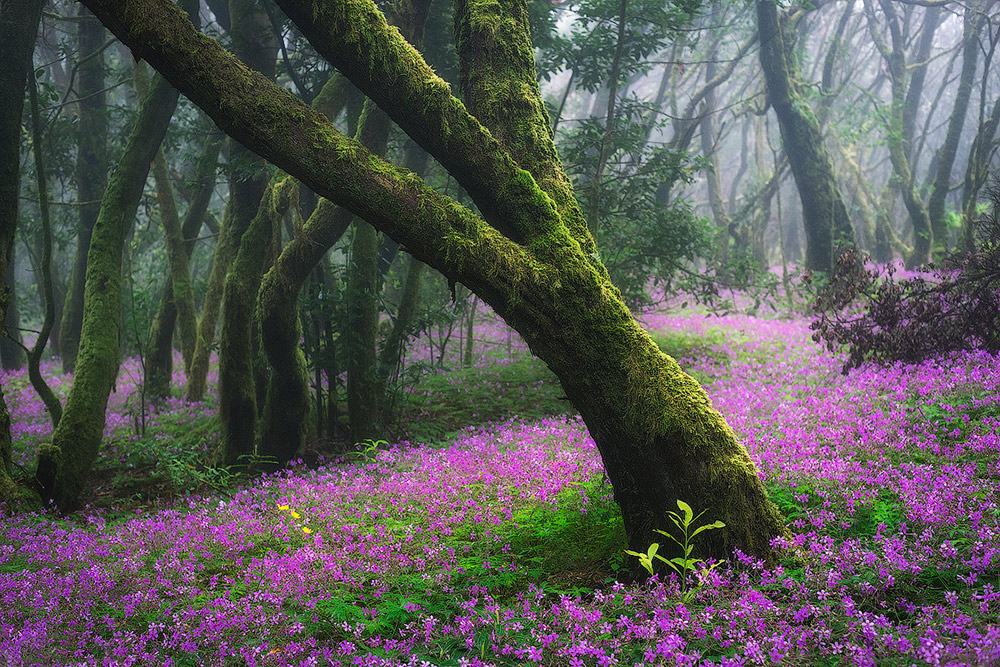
(484,333)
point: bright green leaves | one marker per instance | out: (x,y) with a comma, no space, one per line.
(682,565)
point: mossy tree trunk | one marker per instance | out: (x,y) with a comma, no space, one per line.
(287,406)
(18,27)
(91,173)
(237,390)
(529,255)
(159,356)
(64,464)
(824,214)
(362,299)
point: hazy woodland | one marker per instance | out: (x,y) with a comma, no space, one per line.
(499,332)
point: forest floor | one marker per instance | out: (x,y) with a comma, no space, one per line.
(499,543)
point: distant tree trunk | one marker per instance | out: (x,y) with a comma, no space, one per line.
(823,212)
(64,465)
(18,27)
(159,355)
(526,255)
(91,173)
(895,59)
(714,181)
(254,43)
(11,353)
(179,276)
(977,170)
(974,18)
(52,403)
(362,300)
(237,390)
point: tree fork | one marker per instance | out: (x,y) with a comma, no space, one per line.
(644,412)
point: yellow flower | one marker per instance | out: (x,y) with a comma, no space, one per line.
(306,531)
(296,515)
(283,507)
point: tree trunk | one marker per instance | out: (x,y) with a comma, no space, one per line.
(11,353)
(254,43)
(823,211)
(64,465)
(529,258)
(90,174)
(237,390)
(159,356)
(180,297)
(50,400)
(974,17)
(18,27)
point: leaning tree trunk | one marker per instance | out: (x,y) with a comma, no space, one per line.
(824,214)
(529,255)
(18,27)
(91,173)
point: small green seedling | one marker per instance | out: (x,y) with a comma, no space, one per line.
(685,564)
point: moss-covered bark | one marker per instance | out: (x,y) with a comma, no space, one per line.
(18,27)
(824,214)
(159,355)
(237,389)
(253,42)
(657,432)
(90,173)
(64,465)
(361,332)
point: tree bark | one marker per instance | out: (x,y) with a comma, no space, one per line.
(18,27)
(658,435)
(50,400)
(973,23)
(64,465)
(90,174)
(159,355)
(237,390)
(181,295)
(823,211)
(11,351)
(253,42)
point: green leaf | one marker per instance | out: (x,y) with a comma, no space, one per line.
(688,512)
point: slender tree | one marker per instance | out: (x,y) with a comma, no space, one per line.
(823,211)
(529,255)
(972,26)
